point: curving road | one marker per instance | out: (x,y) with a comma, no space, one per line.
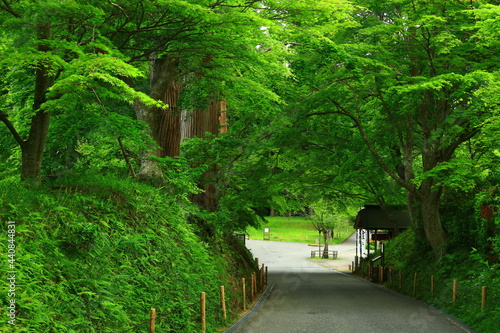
(307,297)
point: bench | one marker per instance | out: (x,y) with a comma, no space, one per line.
(333,254)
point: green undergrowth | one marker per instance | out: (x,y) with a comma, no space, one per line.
(97,258)
(471,269)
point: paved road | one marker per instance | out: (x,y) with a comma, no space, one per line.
(307,297)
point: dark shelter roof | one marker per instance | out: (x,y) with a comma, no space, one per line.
(373,217)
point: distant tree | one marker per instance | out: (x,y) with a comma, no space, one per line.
(324,221)
(66,65)
(410,77)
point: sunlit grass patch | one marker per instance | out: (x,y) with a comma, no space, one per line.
(296,229)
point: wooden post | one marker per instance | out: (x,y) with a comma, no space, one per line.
(255,286)
(266,274)
(400,280)
(455,287)
(381,274)
(252,281)
(223,302)
(203,314)
(243,293)
(415,285)
(352,266)
(262,277)
(484,294)
(257,262)
(433,285)
(152,318)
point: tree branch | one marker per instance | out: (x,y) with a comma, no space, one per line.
(6,6)
(6,121)
(342,111)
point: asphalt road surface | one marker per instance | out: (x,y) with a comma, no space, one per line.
(307,297)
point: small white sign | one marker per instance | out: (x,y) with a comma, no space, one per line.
(266,229)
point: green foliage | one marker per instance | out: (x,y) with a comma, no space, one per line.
(471,269)
(95,255)
(401,250)
(328,102)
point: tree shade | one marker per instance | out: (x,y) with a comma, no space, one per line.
(352,102)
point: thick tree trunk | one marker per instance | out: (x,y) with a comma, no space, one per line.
(163,77)
(169,129)
(197,124)
(149,167)
(431,221)
(430,194)
(32,149)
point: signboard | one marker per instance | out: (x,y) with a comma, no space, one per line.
(267,234)
(380,237)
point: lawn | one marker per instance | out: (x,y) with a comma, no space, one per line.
(296,229)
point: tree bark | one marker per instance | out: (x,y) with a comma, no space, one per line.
(434,231)
(197,124)
(170,123)
(163,76)
(32,149)
(430,195)
(325,248)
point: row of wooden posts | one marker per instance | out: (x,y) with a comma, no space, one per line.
(381,279)
(257,283)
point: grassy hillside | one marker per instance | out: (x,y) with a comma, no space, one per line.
(96,258)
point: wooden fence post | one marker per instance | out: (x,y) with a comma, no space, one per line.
(433,285)
(252,282)
(262,277)
(203,313)
(223,302)
(266,274)
(415,284)
(243,293)
(152,318)
(381,274)
(455,287)
(400,280)
(484,294)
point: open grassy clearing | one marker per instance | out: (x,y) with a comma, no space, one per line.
(296,229)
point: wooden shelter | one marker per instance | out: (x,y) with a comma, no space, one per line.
(380,224)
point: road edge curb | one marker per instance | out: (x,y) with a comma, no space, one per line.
(243,320)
